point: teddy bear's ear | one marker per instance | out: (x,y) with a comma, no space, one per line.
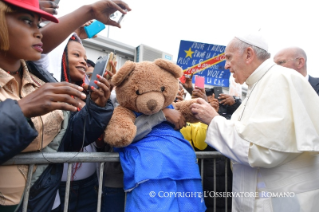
(124,71)
(172,68)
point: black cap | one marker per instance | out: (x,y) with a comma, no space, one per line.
(209,91)
(90,62)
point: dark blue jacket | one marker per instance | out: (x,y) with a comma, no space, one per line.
(314,82)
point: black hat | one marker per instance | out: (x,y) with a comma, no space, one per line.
(209,91)
(90,62)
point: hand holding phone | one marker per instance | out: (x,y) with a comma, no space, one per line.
(94,28)
(217,91)
(99,69)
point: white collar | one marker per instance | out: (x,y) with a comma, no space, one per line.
(307,77)
(259,72)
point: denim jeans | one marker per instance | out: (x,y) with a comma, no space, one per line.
(83,195)
(113,199)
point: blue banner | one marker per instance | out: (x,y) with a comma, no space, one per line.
(207,60)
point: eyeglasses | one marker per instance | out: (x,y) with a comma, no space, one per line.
(281,62)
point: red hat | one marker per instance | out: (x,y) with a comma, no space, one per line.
(33,6)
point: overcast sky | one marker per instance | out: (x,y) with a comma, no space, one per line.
(162,24)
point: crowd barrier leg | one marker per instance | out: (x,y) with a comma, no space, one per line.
(27,190)
(100,187)
(67,189)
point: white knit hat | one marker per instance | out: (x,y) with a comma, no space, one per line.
(254,39)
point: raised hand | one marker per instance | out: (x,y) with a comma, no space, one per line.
(81,31)
(100,95)
(226,99)
(103,9)
(213,102)
(49,6)
(109,74)
(199,93)
(188,84)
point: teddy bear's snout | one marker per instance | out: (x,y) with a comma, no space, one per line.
(151,104)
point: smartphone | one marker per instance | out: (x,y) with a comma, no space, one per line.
(117,16)
(112,57)
(94,28)
(199,81)
(217,91)
(57,1)
(99,69)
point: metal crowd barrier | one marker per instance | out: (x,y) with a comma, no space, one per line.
(32,159)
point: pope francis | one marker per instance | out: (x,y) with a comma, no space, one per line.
(273,137)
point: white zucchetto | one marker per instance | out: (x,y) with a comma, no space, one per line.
(255,39)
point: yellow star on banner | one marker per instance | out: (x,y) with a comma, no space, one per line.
(189,53)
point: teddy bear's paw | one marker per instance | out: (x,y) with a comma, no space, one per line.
(120,136)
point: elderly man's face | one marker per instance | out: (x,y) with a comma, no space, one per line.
(235,62)
(286,59)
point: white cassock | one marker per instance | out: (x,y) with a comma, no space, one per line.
(273,141)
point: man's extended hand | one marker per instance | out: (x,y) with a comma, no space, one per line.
(203,111)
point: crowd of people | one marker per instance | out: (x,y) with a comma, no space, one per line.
(272,137)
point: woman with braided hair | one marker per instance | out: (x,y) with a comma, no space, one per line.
(84,182)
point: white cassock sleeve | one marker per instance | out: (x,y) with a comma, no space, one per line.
(222,135)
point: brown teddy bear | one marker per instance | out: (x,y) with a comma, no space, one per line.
(146,88)
(160,170)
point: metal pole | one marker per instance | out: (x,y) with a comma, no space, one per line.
(67,190)
(202,170)
(226,183)
(27,191)
(214,184)
(100,187)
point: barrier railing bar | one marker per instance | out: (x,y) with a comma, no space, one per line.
(62,157)
(42,158)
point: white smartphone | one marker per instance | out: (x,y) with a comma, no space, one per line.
(117,16)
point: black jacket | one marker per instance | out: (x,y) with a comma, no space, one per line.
(314,82)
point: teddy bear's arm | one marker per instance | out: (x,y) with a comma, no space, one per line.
(184,108)
(121,130)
